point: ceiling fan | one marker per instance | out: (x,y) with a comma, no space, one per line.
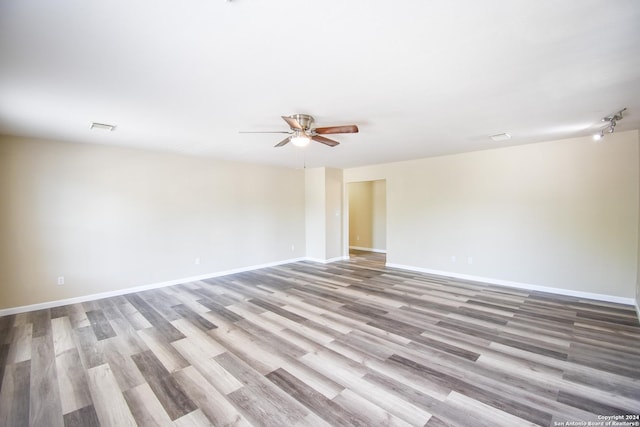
(302,131)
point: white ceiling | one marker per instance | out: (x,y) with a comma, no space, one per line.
(420,78)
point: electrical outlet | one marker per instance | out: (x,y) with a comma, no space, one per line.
(453,258)
(61,280)
(293,248)
(196,261)
(470,260)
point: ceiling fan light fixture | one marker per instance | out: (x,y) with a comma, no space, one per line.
(300,140)
(302,131)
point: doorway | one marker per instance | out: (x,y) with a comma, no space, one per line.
(367,225)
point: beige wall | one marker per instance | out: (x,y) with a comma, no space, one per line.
(315,202)
(323,188)
(379,221)
(560,214)
(367,214)
(360,214)
(111,218)
(334,213)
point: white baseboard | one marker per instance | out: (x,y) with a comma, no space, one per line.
(519,285)
(326,261)
(360,248)
(91,297)
(638,310)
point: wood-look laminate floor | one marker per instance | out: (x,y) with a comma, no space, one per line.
(346,344)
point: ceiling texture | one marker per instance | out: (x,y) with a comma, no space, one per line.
(420,78)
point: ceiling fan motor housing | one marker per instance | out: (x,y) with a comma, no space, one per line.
(304,120)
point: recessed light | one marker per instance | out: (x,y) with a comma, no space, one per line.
(102,126)
(500,137)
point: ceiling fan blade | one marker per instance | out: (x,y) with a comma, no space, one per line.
(283,142)
(337,129)
(260,131)
(325,141)
(293,123)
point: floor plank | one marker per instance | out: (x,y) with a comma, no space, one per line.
(110,405)
(15,398)
(45,404)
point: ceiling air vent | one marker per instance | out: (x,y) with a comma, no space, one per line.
(500,137)
(102,126)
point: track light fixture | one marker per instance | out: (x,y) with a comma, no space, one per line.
(598,136)
(611,124)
